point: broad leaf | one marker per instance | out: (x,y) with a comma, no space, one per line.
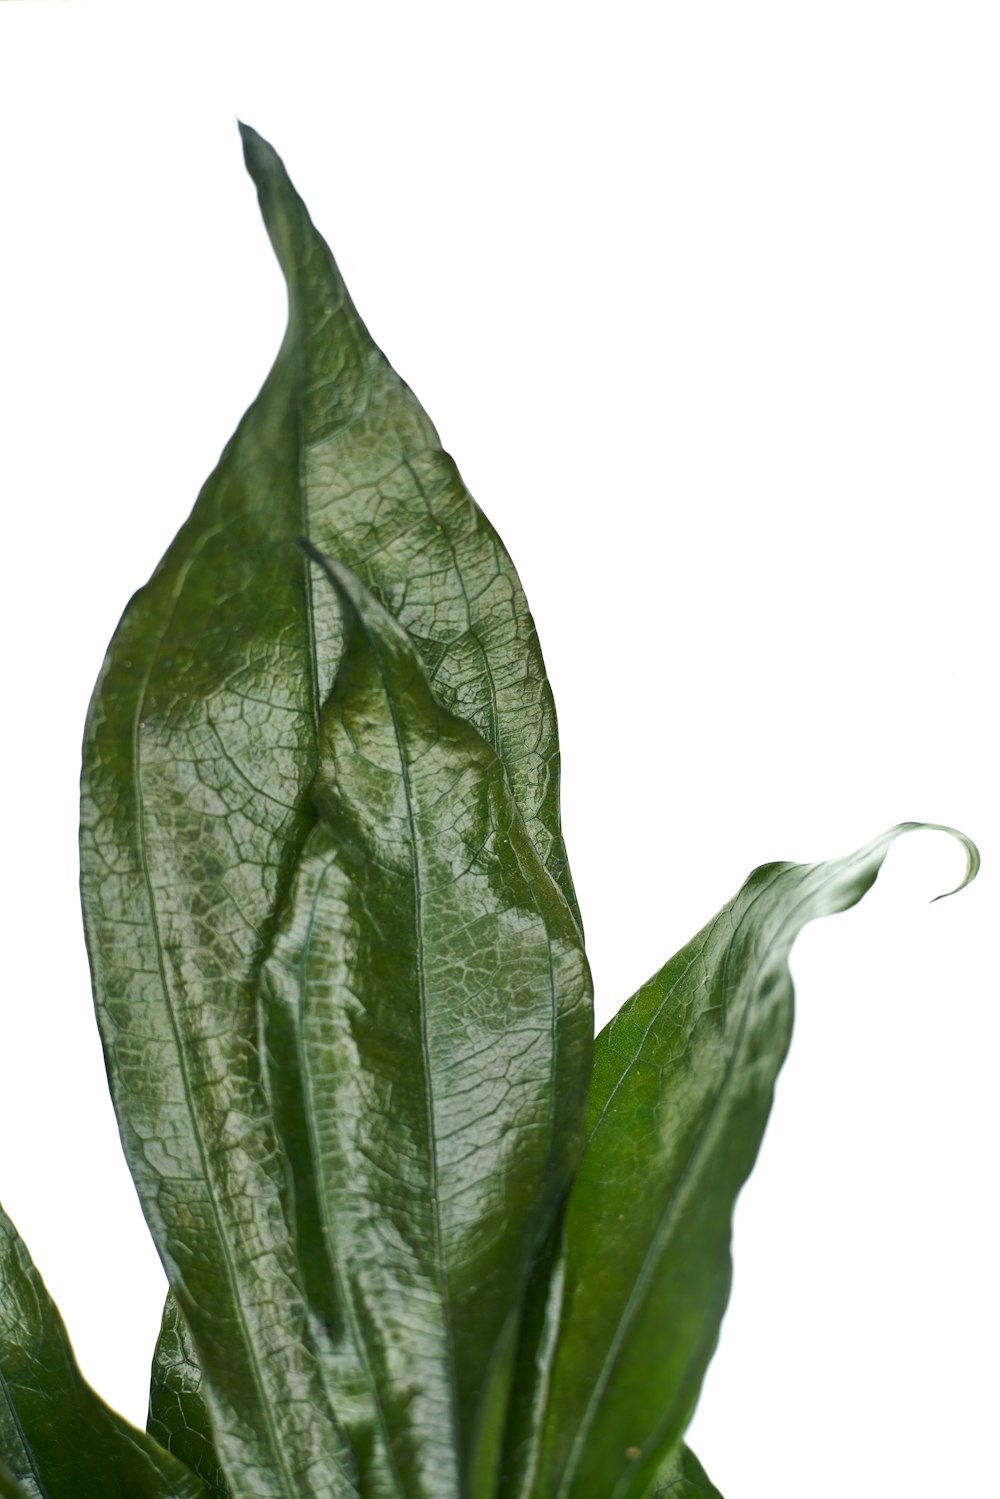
(435,978)
(200,747)
(683,1081)
(178,1416)
(57,1437)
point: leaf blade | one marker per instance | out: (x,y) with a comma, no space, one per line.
(683,1080)
(216,709)
(438,980)
(185,814)
(59,1439)
(382,496)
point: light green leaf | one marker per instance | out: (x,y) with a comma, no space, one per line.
(435,978)
(58,1440)
(683,1081)
(178,1416)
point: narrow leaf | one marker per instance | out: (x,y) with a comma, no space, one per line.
(60,1440)
(178,1415)
(436,979)
(683,1081)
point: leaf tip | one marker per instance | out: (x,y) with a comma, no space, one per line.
(972,860)
(262,160)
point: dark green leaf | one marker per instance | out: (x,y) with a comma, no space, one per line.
(60,1440)
(683,1080)
(376,491)
(435,978)
(178,1416)
(200,747)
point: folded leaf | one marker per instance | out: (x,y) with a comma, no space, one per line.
(59,1440)
(435,978)
(178,1416)
(683,1081)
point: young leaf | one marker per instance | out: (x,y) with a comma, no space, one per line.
(683,1080)
(58,1439)
(178,1416)
(435,977)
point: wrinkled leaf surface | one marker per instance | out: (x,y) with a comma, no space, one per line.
(200,748)
(436,979)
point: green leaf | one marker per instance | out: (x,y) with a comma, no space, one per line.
(683,1081)
(59,1439)
(200,748)
(435,978)
(178,1416)
(376,490)
(682,1477)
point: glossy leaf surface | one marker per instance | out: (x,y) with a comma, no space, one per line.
(683,1081)
(377,492)
(57,1437)
(200,748)
(436,979)
(178,1416)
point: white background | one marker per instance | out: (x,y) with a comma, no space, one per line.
(704,299)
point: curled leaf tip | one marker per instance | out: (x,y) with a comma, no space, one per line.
(972,861)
